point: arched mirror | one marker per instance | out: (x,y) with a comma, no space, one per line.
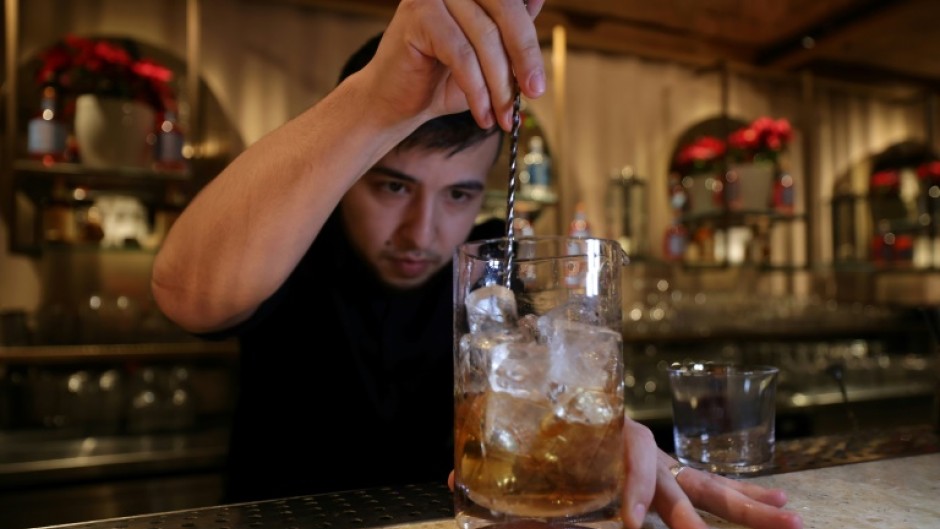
(728,185)
(113,131)
(904,204)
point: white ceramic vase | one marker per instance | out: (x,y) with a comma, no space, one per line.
(112,132)
(756,181)
(701,189)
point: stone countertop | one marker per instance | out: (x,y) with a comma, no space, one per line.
(901,493)
(866,480)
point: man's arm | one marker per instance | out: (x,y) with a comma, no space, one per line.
(243,234)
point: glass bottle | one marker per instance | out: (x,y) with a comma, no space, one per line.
(579,227)
(538,166)
(675,240)
(731,190)
(784,194)
(46,132)
(58,216)
(678,197)
(705,238)
(168,146)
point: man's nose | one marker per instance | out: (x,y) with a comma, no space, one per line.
(418,224)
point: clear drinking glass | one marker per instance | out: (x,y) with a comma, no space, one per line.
(723,416)
(539,392)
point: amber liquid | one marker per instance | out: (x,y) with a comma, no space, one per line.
(569,468)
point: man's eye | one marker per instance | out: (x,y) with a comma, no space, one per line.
(394,186)
(460,195)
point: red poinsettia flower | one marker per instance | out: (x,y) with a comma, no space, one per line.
(929,171)
(701,152)
(764,135)
(107,67)
(886,179)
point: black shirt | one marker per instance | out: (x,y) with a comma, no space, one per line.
(343,383)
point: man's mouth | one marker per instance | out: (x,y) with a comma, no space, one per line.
(410,266)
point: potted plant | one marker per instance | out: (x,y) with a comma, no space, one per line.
(118,95)
(755,151)
(698,164)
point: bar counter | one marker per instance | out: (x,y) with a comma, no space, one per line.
(871,479)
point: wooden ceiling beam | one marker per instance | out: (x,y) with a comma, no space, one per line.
(612,36)
(813,41)
(707,32)
(373,8)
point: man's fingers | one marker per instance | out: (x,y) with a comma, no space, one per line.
(732,501)
(505,43)
(486,46)
(671,502)
(462,54)
(774,497)
(520,41)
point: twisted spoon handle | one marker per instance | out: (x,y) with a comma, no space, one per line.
(513,184)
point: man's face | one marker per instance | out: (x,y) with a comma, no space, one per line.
(408,213)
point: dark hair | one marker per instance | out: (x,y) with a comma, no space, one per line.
(452,132)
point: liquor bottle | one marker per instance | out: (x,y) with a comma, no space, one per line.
(705,239)
(87,217)
(58,217)
(731,190)
(538,166)
(578,228)
(784,194)
(921,252)
(168,146)
(675,241)
(46,132)
(678,196)
(523,227)
(882,244)
(721,245)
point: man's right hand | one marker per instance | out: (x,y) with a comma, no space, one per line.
(444,56)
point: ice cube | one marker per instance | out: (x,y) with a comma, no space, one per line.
(520,369)
(491,307)
(572,453)
(584,356)
(475,353)
(589,407)
(583,309)
(512,424)
(528,327)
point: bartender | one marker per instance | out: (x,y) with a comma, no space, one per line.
(326,246)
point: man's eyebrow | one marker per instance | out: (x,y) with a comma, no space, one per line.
(393,173)
(473,185)
(470,185)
